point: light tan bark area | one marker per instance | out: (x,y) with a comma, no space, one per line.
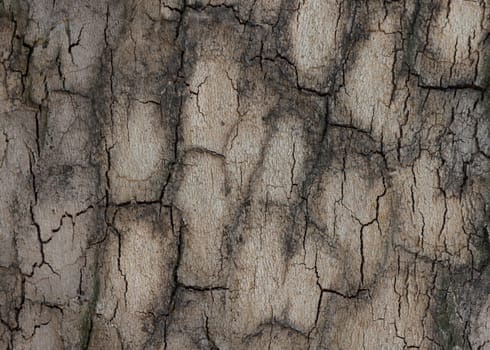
(244,174)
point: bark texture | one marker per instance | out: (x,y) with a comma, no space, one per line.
(244,174)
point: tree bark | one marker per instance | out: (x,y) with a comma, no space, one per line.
(244,174)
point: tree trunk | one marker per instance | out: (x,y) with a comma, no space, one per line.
(244,174)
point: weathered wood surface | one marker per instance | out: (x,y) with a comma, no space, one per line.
(244,174)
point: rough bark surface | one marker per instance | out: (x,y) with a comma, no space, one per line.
(244,174)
